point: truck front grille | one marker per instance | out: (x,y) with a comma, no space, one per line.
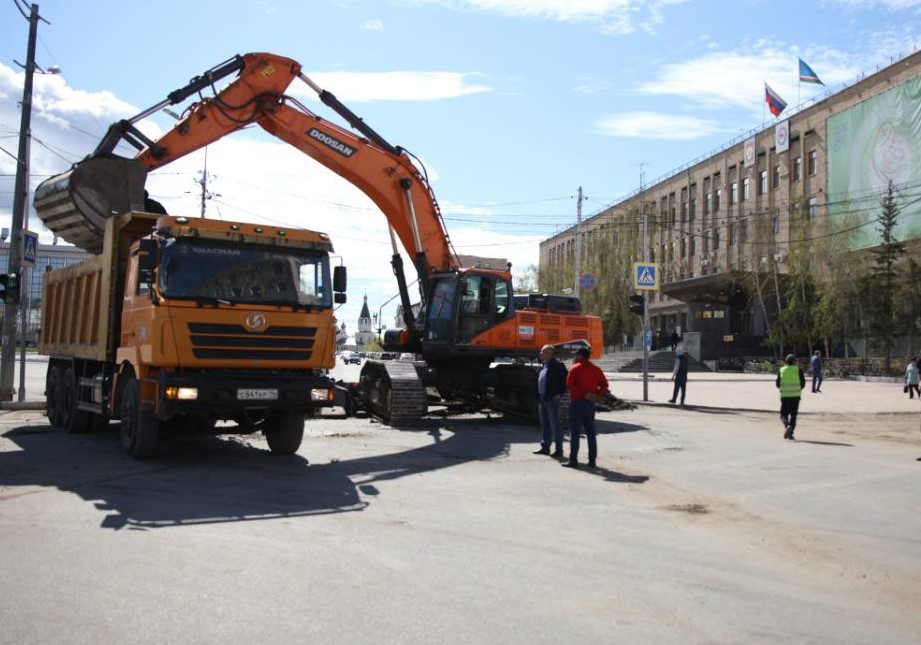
(228,342)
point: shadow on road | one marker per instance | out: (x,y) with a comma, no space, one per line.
(825,443)
(204,480)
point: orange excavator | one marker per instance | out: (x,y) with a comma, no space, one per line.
(468,315)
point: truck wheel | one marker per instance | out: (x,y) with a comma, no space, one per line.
(53,395)
(285,433)
(139,429)
(73,420)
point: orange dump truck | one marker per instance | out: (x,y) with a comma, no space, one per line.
(179,323)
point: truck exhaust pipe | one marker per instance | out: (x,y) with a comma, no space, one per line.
(76,204)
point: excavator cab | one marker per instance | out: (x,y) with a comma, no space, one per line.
(463,305)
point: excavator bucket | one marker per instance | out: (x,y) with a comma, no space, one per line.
(76,204)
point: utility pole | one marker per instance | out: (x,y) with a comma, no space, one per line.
(20,198)
(578,245)
(205,195)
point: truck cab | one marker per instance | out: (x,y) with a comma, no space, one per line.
(194,321)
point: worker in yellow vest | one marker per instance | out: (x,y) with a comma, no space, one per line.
(790,382)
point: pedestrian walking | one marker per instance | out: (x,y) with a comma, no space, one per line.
(585,382)
(675,339)
(911,378)
(680,375)
(790,381)
(815,366)
(551,386)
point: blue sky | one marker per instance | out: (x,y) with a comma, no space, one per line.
(512,104)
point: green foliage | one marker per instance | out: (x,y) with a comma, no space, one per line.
(881,299)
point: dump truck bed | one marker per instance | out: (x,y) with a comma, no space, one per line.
(81,304)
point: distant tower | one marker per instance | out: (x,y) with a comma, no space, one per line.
(365,333)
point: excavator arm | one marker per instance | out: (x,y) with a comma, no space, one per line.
(75,205)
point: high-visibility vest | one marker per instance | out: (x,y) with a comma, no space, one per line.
(789,382)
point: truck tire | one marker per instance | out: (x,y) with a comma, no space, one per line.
(53,382)
(139,429)
(72,419)
(284,433)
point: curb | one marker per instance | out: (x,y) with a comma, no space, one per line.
(705,408)
(22,405)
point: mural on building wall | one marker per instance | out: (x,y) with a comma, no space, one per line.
(869,145)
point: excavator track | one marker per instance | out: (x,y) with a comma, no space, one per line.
(393,392)
(512,389)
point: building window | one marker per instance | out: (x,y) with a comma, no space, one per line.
(733,193)
(707,202)
(693,211)
(762,182)
(716,238)
(746,190)
(692,246)
(718,197)
(797,169)
(775,217)
(811,162)
(776,177)
(813,207)
(743,231)
(684,248)
(706,242)
(732,234)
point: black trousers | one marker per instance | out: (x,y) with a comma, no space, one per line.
(789,406)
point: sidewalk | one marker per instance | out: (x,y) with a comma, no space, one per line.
(732,391)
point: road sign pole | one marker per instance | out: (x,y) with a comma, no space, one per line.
(645,308)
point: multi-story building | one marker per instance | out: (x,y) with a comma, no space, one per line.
(720,222)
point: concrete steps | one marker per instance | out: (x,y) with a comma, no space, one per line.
(659,361)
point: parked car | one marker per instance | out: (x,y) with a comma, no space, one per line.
(351,358)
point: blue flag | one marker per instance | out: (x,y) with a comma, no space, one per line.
(806,75)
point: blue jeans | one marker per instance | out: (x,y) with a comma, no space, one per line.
(582,418)
(549,412)
(817,381)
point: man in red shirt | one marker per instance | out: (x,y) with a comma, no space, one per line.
(585,382)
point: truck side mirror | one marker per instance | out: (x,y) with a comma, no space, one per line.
(339,298)
(339,280)
(147,260)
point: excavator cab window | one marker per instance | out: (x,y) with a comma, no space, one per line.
(485,302)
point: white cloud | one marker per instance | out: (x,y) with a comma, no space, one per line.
(655,125)
(726,79)
(893,5)
(394,86)
(608,16)
(372,25)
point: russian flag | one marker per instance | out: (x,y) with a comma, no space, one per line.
(775,104)
(806,75)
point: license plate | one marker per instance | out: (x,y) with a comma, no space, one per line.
(251,394)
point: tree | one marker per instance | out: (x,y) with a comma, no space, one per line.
(527,280)
(881,299)
(909,302)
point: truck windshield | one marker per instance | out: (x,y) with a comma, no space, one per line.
(244,273)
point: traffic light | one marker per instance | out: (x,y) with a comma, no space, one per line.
(9,287)
(637,307)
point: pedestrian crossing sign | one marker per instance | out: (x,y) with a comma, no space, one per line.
(29,248)
(645,276)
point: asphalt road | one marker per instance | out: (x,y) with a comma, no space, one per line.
(699,527)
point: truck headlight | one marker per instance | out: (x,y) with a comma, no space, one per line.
(318,394)
(176,393)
